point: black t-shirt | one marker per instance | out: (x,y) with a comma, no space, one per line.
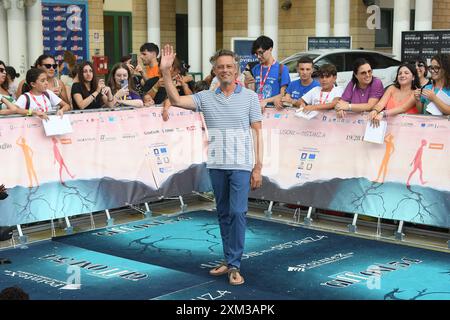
(161,95)
(95,104)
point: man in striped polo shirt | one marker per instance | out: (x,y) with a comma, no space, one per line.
(232,113)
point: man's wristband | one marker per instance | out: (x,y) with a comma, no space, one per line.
(30,112)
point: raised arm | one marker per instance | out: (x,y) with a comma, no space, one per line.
(167,58)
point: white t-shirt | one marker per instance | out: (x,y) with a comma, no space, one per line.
(41,103)
(315,96)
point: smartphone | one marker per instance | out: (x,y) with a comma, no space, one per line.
(133,59)
(124,83)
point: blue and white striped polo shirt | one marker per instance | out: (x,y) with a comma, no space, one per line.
(228,120)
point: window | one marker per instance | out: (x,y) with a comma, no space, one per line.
(383,36)
(337,59)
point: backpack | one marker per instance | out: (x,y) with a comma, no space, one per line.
(28,102)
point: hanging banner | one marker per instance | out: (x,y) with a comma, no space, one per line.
(65,28)
(119,157)
(424,44)
(324,163)
(111,159)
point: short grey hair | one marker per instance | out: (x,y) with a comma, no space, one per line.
(224,52)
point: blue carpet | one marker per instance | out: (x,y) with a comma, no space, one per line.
(280,262)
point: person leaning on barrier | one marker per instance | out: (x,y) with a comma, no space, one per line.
(122,87)
(48,64)
(37,97)
(7,102)
(327,95)
(198,86)
(229,107)
(90,92)
(271,77)
(362,92)
(399,97)
(298,88)
(183,84)
(440,75)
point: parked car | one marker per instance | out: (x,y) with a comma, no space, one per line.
(383,65)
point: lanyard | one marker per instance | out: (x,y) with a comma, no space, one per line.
(43,109)
(326,98)
(263,81)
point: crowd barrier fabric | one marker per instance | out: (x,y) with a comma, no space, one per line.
(132,156)
(111,159)
(324,163)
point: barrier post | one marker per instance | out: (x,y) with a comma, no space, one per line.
(399,235)
(69,228)
(52,226)
(268,212)
(183,206)
(148,213)
(92,221)
(297,214)
(308,220)
(109,221)
(352,227)
(23,240)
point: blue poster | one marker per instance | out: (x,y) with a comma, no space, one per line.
(243,48)
(65,28)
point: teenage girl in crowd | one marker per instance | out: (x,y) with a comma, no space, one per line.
(90,92)
(440,75)
(48,64)
(399,97)
(122,86)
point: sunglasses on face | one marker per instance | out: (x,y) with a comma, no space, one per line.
(421,65)
(2,70)
(48,66)
(435,69)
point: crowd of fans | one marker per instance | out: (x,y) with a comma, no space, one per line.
(52,87)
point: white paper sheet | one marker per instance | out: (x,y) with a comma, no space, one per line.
(56,126)
(375,135)
(306,114)
(433,109)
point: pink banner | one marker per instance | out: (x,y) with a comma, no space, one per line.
(112,158)
(324,162)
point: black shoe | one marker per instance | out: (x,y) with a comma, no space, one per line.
(4,261)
